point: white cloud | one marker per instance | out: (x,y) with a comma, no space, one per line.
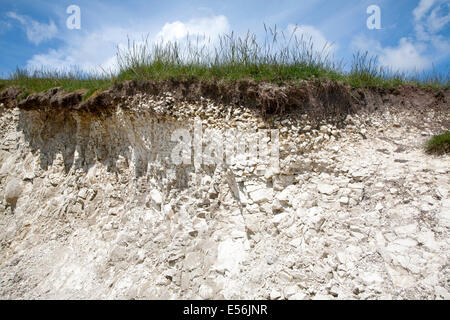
(89,52)
(93,51)
(419,52)
(435,22)
(423,7)
(441,44)
(310,33)
(428,24)
(210,27)
(4,26)
(407,56)
(36,32)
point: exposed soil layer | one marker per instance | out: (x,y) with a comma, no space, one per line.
(319,99)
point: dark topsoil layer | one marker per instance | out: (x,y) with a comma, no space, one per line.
(319,99)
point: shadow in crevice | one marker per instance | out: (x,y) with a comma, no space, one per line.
(84,139)
(49,133)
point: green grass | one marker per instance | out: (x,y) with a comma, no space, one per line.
(439,144)
(279,58)
(42,80)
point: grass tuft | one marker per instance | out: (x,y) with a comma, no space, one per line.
(439,144)
(278,57)
(42,80)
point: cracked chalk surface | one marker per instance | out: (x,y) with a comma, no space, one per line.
(92,208)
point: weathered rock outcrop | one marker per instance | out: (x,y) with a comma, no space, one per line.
(95,205)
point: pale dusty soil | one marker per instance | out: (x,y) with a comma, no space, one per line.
(355,213)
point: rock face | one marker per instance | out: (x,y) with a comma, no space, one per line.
(102,208)
(12,191)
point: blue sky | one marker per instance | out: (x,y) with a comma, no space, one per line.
(414,35)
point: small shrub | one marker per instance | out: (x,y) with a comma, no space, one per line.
(439,144)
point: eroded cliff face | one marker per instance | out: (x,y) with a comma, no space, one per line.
(93,205)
